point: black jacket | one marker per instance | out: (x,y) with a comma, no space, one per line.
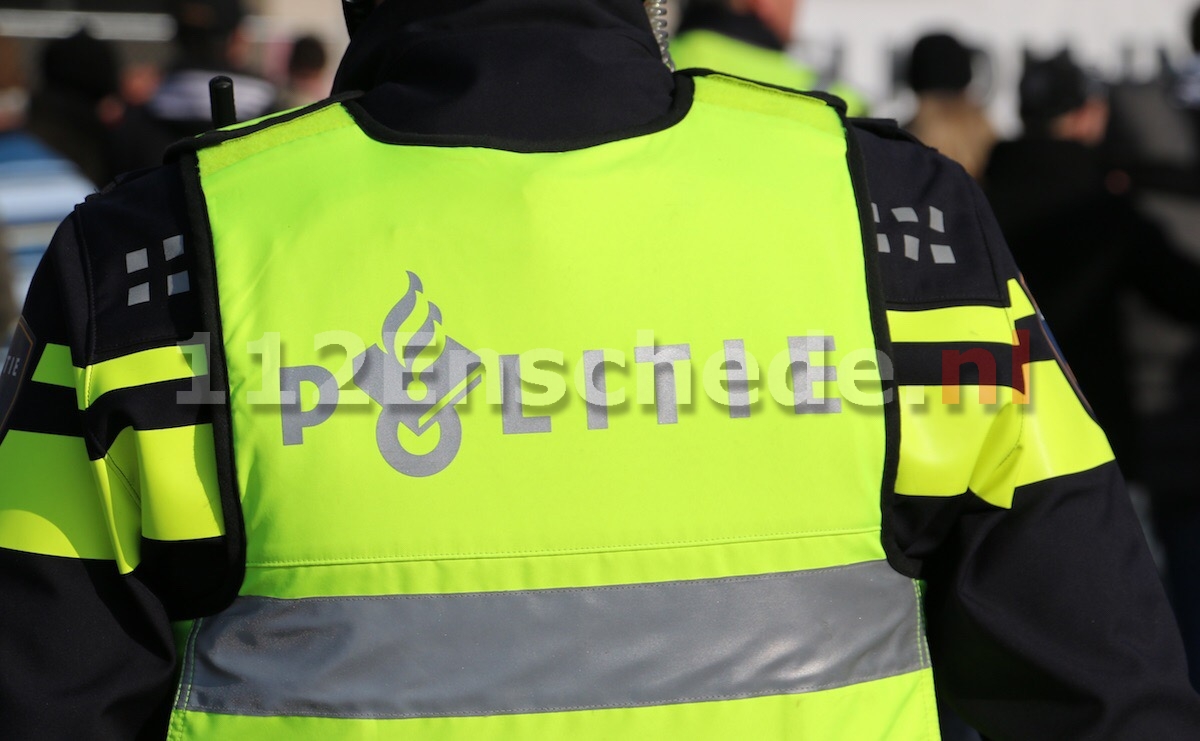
(1045,620)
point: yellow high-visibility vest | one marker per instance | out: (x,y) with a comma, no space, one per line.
(580,444)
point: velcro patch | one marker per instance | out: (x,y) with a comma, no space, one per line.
(17,367)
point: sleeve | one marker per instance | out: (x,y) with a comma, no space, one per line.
(1046,616)
(85,652)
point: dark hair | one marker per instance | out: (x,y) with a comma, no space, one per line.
(203,28)
(1052,87)
(1196,29)
(939,63)
(307,56)
(81,64)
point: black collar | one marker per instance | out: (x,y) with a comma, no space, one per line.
(529,70)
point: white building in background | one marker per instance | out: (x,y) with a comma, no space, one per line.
(1099,31)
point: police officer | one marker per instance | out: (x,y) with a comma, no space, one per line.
(539,392)
(749,38)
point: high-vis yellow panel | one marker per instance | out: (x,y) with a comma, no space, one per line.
(465,376)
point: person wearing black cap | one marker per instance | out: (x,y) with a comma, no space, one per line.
(209,41)
(271,484)
(948,118)
(76,106)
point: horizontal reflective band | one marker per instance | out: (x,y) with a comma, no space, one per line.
(501,653)
(48,502)
(971,324)
(142,369)
(56,367)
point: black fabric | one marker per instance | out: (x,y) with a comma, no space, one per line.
(221,594)
(141,214)
(155,406)
(45,409)
(1080,248)
(98,666)
(190,578)
(1029,668)
(893,546)
(518,70)
(905,174)
(930,364)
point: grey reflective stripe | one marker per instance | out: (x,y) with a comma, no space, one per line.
(555,650)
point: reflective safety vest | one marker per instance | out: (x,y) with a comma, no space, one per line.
(711,50)
(583,444)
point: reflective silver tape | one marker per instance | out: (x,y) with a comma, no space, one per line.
(555,650)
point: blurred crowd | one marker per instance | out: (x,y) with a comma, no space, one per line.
(86,117)
(1099,199)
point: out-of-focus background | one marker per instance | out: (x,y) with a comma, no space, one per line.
(859,41)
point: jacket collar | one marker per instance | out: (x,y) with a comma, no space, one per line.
(526,69)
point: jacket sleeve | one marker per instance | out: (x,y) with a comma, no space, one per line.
(113,530)
(85,652)
(1046,618)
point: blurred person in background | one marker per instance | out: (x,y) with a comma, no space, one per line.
(1081,242)
(139,83)
(1156,139)
(13,99)
(749,38)
(948,116)
(1187,82)
(210,40)
(307,80)
(38,186)
(77,104)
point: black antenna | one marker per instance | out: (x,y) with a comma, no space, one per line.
(224,110)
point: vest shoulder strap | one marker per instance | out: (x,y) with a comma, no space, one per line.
(274,122)
(763,97)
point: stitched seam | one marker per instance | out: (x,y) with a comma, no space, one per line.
(767,537)
(191,654)
(578,590)
(604,706)
(278,145)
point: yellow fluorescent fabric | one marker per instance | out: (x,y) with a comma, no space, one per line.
(161,484)
(55,367)
(543,264)
(710,50)
(539,262)
(119,490)
(184,503)
(578,570)
(1021,306)
(1060,437)
(946,447)
(850,713)
(957,324)
(68,524)
(143,368)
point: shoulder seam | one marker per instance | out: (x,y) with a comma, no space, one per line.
(220,136)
